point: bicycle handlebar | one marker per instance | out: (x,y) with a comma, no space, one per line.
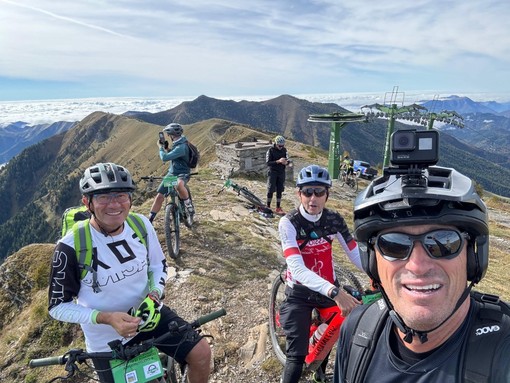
(149,178)
(50,361)
(128,352)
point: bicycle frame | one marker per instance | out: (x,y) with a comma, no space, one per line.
(320,350)
(317,352)
(175,211)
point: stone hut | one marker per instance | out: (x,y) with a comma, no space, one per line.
(245,157)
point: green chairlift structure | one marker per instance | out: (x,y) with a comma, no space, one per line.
(414,113)
(338,121)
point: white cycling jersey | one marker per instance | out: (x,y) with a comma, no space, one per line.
(125,273)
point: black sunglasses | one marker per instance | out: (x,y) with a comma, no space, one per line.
(438,243)
(308,192)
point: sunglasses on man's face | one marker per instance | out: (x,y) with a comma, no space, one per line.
(438,244)
(308,192)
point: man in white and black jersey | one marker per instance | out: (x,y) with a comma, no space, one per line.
(307,234)
(125,273)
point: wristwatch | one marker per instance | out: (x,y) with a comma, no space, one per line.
(334,292)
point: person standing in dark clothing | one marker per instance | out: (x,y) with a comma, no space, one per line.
(276,160)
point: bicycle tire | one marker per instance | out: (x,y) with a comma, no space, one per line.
(278,338)
(354,183)
(346,277)
(251,197)
(176,373)
(172,236)
(342,178)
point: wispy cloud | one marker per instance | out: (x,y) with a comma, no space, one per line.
(220,47)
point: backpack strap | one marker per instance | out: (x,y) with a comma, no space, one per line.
(135,222)
(83,248)
(492,321)
(364,339)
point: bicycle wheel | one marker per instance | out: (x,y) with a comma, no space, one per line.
(342,178)
(172,230)
(346,277)
(278,338)
(175,372)
(251,197)
(353,183)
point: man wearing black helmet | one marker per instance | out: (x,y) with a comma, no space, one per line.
(119,266)
(307,234)
(178,155)
(424,242)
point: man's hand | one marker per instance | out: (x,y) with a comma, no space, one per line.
(125,324)
(346,302)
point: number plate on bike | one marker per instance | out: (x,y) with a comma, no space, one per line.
(144,368)
(170,181)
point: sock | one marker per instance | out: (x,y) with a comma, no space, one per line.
(152,216)
(187,202)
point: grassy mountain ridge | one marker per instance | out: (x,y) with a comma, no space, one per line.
(42,181)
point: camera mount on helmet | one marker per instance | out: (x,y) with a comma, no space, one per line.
(413,152)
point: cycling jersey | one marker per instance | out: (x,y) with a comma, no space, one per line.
(312,265)
(179,155)
(392,362)
(126,271)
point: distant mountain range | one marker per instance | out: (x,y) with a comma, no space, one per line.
(464,106)
(19,135)
(41,181)
(487,122)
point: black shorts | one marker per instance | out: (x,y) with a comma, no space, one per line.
(175,346)
(275,182)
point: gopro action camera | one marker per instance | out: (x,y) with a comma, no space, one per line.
(412,147)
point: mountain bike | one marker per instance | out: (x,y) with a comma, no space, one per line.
(349,179)
(326,322)
(141,363)
(175,212)
(243,191)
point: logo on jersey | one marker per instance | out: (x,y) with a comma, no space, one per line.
(487,330)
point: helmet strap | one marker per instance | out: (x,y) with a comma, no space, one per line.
(409,332)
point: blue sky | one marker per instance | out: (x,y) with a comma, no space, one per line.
(56,49)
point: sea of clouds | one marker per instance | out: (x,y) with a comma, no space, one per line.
(48,111)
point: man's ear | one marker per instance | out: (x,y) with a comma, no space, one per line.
(87,201)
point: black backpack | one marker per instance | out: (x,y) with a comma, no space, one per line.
(492,320)
(194,155)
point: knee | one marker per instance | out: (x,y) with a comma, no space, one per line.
(200,355)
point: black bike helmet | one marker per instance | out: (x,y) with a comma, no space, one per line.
(173,129)
(313,175)
(105,178)
(448,198)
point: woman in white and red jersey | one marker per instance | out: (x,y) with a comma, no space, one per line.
(307,234)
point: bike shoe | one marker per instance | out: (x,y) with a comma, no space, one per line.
(279,211)
(190,209)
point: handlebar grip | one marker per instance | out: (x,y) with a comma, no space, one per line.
(50,361)
(209,317)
